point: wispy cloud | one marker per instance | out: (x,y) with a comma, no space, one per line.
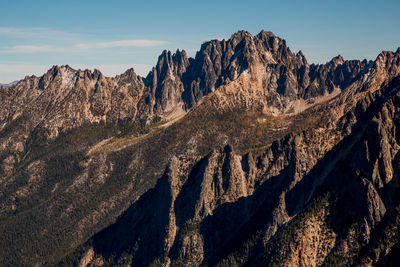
(122,43)
(41,40)
(38,33)
(38,45)
(28,49)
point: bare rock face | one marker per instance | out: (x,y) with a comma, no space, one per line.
(166,83)
(245,154)
(305,201)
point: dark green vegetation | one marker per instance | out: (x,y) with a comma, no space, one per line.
(65,159)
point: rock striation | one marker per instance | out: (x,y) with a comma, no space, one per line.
(319,197)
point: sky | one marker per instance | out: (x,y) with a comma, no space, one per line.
(113,36)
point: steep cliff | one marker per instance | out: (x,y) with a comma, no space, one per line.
(323,196)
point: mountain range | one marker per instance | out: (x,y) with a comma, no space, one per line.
(6,85)
(244,155)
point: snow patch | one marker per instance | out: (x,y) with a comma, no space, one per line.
(268,55)
(68,77)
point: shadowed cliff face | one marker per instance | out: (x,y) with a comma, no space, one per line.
(245,154)
(323,196)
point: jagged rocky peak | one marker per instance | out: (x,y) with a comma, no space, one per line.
(246,49)
(97,75)
(48,77)
(59,70)
(389,61)
(165,82)
(336,61)
(128,76)
(177,80)
(181,61)
(301,57)
(168,66)
(28,82)
(239,36)
(275,46)
(58,74)
(65,76)
(219,62)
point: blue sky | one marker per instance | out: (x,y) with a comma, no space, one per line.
(115,35)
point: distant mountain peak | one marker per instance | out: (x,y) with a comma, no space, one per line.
(6,85)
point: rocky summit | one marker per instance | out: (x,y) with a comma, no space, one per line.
(245,155)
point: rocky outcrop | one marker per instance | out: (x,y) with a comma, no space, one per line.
(315,198)
(165,81)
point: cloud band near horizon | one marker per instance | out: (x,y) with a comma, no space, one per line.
(26,49)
